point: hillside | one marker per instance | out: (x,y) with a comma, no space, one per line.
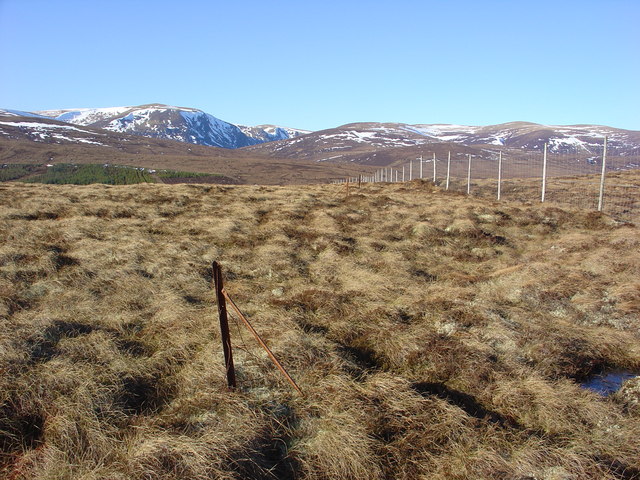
(45,141)
(272,154)
(365,143)
(390,143)
(433,335)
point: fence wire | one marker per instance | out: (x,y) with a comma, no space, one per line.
(572,177)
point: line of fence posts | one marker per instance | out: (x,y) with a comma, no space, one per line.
(389,174)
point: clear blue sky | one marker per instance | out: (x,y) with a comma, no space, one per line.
(316,65)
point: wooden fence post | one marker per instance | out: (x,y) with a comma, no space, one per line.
(224,325)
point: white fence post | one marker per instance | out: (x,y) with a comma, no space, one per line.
(544,173)
(469,176)
(434,167)
(403,173)
(499,175)
(410,170)
(604,166)
(448,169)
(420,167)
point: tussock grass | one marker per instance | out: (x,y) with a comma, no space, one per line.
(435,336)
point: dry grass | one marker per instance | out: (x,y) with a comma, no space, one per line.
(435,336)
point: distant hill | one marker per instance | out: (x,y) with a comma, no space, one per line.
(155,129)
(41,140)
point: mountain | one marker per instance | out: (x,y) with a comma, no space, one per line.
(26,138)
(188,125)
(384,143)
(374,144)
(533,136)
(355,142)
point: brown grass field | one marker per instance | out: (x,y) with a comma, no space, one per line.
(435,336)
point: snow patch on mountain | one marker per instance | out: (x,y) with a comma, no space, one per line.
(19,113)
(271,133)
(37,131)
(85,116)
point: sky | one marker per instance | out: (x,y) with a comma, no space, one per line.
(316,65)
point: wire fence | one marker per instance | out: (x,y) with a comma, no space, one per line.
(603,178)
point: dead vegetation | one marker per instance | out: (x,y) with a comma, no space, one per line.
(435,336)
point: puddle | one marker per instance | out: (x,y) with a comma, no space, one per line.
(607,383)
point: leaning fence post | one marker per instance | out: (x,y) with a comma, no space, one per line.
(469,176)
(224,325)
(499,174)
(604,165)
(448,169)
(544,173)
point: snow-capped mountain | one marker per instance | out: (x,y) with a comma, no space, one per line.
(533,136)
(357,141)
(173,123)
(375,143)
(271,133)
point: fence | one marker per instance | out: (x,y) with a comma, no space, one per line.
(604,178)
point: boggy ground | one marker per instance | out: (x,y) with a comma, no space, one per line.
(435,336)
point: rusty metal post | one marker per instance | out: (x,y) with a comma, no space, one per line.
(224,325)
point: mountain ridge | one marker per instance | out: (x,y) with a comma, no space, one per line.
(192,125)
(185,124)
(364,143)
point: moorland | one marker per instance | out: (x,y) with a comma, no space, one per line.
(434,335)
